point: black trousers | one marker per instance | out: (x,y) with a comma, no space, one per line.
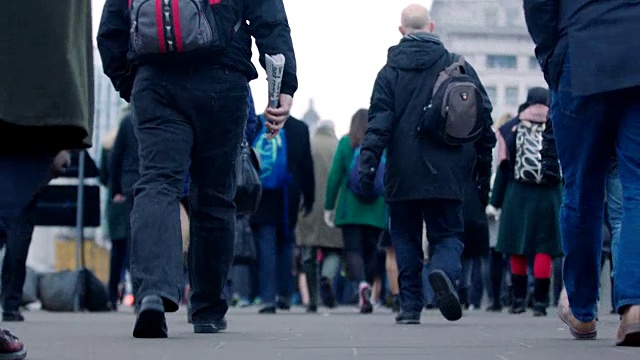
(17,239)
(186,119)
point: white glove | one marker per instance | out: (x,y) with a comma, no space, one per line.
(492,212)
(328,218)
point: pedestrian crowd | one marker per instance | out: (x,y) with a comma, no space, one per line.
(426,203)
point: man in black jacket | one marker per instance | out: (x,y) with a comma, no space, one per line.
(424,180)
(588,51)
(189,114)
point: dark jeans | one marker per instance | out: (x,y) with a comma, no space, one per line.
(186,119)
(473,280)
(362,254)
(275,263)
(17,240)
(586,129)
(120,254)
(445,225)
(21,177)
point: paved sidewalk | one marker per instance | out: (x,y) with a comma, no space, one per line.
(340,334)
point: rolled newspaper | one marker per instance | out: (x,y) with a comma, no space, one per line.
(275,68)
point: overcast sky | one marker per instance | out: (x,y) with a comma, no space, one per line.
(340,47)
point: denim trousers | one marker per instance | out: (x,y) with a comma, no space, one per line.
(186,119)
(587,129)
(445,225)
(275,263)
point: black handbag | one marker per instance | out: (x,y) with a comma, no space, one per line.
(249,187)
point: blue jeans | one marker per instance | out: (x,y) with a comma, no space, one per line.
(275,262)
(614,204)
(444,230)
(586,129)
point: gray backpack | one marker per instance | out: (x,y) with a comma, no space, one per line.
(454,114)
(161,27)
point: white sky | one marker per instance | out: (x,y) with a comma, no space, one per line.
(340,46)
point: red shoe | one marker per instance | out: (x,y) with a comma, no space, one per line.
(11,348)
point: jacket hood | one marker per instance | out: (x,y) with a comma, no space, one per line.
(417,51)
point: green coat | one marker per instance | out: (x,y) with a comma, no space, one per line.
(117,215)
(350,210)
(46,72)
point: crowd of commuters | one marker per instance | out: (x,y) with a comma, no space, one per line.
(564,176)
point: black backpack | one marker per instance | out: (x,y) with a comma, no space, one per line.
(453,115)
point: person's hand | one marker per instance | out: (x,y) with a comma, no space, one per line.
(277,117)
(61,163)
(119,199)
(492,212)
(328,218)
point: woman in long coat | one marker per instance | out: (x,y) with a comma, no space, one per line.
(529,191)
(313,234)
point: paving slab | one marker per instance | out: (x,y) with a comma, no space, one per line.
(339,334)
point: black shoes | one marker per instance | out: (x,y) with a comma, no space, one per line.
(212,327)
(408,318)
(518,306)
(326,293)
(12,316)
(151,323)
(269,310)
(446,296)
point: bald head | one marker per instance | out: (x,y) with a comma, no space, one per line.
(416,18)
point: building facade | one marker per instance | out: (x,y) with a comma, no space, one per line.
(492,36)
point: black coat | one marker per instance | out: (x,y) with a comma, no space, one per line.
(600,37)
(301,189)
(268,24)
(417,168)
(476,226)
(124,163)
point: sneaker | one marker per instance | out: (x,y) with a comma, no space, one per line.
(446,296)
(11,348)
(364,294)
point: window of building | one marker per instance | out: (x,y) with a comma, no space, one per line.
(533,63)
(511,96)
(502,62)
(492,91)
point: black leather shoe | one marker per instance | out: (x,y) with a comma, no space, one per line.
(270,309)
(151,323)
(12,316)
(408,318)
(210,327)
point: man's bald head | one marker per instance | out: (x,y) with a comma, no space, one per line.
(416,18)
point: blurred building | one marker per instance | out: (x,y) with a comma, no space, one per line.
(492,36)
(311,117)
(108,107)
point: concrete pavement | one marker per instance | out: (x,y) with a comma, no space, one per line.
(340,334)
